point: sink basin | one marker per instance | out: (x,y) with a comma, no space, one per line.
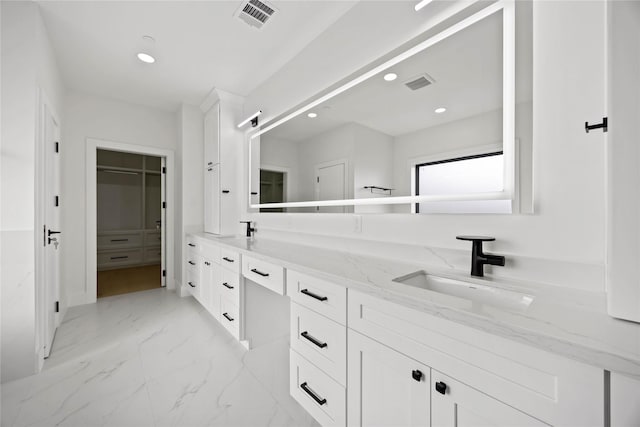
(471,289)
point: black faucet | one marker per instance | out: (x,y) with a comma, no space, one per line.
(479,258)
(250,229)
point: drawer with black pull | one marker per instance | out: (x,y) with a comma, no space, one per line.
(320,340)
(264,273)
(229,285)
(230,260)
(318,295)
(109,259)
(320,395)
(230,316)
(119,240)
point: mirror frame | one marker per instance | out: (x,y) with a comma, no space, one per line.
(508,117)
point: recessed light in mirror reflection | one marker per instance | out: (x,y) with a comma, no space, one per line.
(312,115)
(390,77)
(440,110)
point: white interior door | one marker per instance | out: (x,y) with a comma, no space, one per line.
(330,185)
(52,237)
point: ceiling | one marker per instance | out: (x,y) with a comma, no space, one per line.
(198,45)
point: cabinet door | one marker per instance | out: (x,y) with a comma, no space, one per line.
(456,404)
(212,136)
(206,274)
(386,388)
(212,199)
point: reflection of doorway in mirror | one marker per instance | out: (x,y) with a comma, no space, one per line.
(331,184)
(273,188)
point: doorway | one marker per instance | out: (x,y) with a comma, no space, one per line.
(273,188)
(130,194)
(129,164)
(331,184)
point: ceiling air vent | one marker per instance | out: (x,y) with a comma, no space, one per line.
(255,12)
(423,80)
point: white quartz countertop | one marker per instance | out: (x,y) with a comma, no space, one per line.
(563,321)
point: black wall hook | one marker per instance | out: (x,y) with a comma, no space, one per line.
(604,125)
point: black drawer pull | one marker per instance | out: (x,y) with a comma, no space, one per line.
(207,263)
(191,284)
(119,240)
(225,191)
(120,257)
(226,316)
(441,387)
(417,375)
(258,272)
(192,245)
(254,193)
(228,259)
(226,285)
(312,394)
(192,263)
(210,163)
(306,335)
(312,295)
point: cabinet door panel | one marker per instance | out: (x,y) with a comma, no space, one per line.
(212,199)
(386,388)
(212,136)
(459,405)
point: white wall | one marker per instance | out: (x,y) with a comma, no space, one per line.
(191,180)
(567,229)
(88,116)
(27,64)
(282,154)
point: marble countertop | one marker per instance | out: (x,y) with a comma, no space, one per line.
(564,321)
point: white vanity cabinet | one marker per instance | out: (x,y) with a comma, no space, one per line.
(213,278)
(487,379)
(222,162)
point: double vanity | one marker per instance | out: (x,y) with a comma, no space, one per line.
(380,341)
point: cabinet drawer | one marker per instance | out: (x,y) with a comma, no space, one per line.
(152,238)
(554,389)
(230,259)
(264,273)
(230,316)
(319,295)
(153,254)
(119,240)
(192,246)
(228,285)
(316,392)
(119,258)
(192,264)
(193,283)
(320,340)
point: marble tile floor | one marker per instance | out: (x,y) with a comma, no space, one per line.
(153,359)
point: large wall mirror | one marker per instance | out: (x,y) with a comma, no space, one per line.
(444,127)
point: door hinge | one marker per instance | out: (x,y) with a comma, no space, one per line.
(57,306)
(164,205)
(57,145)
(164,273)
(164,169)
(57,201)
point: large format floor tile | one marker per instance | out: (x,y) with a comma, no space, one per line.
(153,359)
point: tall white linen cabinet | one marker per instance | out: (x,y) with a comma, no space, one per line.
(222,161)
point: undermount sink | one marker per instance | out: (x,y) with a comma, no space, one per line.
(470,289)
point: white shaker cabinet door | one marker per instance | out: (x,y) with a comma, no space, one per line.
(456,404)
(386,388)
(212,199)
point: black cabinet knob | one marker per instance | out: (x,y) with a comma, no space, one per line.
(417,375)
(441,387)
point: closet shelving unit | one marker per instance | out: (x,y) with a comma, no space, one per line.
(129,210)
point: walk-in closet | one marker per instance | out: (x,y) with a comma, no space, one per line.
(130,224)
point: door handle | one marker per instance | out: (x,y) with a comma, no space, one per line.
(49,233)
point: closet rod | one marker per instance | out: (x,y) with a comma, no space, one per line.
(120,172)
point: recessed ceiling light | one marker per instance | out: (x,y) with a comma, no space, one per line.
(440,110)
(390,77)
(312,115)
(145,57)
